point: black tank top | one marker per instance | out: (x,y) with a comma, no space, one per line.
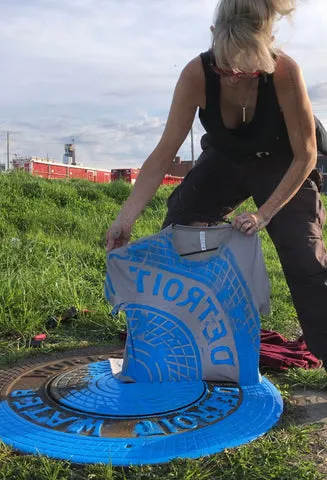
(264,135)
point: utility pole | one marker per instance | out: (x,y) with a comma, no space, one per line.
(192,147)
(8,151)
(7,134)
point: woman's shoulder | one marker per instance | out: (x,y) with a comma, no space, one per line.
(194,67)
(193,74)
(286,68)
(290,86)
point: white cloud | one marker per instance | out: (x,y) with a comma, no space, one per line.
(103,71)
(318,92)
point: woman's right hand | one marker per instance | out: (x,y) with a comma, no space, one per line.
(118,234)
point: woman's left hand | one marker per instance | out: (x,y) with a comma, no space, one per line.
(249,223)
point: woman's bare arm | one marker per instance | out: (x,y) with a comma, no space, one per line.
(186,99)
(295,104)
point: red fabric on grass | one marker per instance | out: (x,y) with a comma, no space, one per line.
(279,353)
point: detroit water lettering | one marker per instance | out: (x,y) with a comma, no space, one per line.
(30,405)
(196,300)
(216,405)
(221,402)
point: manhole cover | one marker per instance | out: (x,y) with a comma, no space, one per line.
(73,407)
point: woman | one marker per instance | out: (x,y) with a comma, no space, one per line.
(260,142)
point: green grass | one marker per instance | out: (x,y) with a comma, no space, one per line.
(52,257)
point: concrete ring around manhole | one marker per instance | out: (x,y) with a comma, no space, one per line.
(72,406)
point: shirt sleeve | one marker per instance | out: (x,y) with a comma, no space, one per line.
(117,285)
(120,281)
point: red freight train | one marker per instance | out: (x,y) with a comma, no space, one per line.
(48,169)
(127,174)
(52,170)
(130,174)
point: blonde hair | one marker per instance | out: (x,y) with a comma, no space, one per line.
(243,33)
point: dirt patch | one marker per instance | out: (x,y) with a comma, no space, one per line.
(310,406)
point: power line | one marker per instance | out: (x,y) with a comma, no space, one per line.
(42,143)
(129,134)
(94,134)
(115,124)
(145,131)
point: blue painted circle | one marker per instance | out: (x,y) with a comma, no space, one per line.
(94,389)
(216,422)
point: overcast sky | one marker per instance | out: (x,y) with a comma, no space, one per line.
(103,72)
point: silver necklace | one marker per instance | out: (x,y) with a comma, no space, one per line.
(244,106)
